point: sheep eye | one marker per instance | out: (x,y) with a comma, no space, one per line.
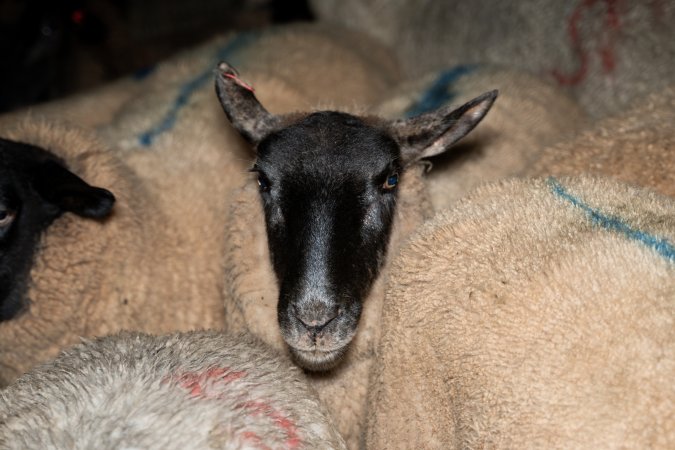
(391,182)
(263,182)
(6,217)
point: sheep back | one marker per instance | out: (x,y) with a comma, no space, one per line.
(201,390)
(529,114)
(535,314)
(636,146)
(606,53)
(292,68)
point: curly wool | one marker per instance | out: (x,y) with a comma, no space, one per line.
(535,314)
(201,390)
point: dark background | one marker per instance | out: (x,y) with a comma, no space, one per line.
(49,49)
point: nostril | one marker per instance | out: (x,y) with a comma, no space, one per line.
(315,319)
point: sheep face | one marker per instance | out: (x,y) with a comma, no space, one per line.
(35,188)
(328,183)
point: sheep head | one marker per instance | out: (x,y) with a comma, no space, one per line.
(328,183)
(35,189)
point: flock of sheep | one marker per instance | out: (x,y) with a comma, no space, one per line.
(517,291)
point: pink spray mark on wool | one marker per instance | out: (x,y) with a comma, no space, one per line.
(206,384)
(209,384)
(610,26)
(255,439)
(239,81)
(286,425)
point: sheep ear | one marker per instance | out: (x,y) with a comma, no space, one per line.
(241,106)
(68,192)
(433,133)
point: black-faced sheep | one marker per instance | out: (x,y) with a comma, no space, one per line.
(534,314)
(36,189)
(175,139)
(74,276)
(339,193)
(198,390)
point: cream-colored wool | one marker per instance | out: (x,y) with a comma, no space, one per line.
(88,109)
(199,390)
(292,68)
(535,314)
(312,63)
(134,270)
(637,147)
(606,53)
(529,115)
(330,66)
(252,295)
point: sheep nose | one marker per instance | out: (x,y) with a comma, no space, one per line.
(316,317)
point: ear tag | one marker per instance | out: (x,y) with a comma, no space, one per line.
(239,81)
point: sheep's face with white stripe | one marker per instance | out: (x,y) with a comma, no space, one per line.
(328,183)
(35,188)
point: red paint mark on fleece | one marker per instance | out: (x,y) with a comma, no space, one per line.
(254,439)
(606,52)
(289,428)
(207,384)
(239,81)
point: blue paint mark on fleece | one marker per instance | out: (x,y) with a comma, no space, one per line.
(439,93)
(661,246)
(143,72)
(191,86)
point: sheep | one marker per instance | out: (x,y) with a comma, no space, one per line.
(198,390)
(164,245)
(89,109)
(79,277)
(530,115)
(337,193)
(605,53)
(193,165)
(535,314)
(36,189)
(636,146)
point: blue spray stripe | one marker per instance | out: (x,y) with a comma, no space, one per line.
(143,73)
(439,93)
(186,91)
(660,245)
